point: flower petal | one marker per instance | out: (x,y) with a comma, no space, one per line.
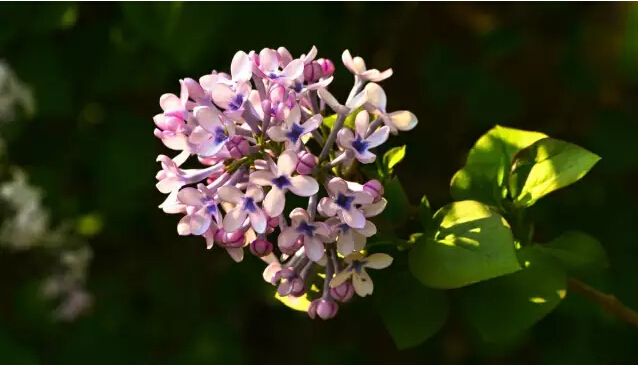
(170,102)
(268,60)
(337,185)
(230,194)
(287,162)
(378,261)
(403,120)
(241,67)
(222,95)
(299,214)
(374,209)
(368,230)
(376,96)
(359,241)
(258,220)
(362,284)
(340,278)
(327,207)
(294,69)
(210,147)
(262,177)
(361,123)
(345,243)
(353,217)
(277,133)
(169,184)
(237,254)
(184,226)
(378,137)
(288,238)
(303,185)
(294,116)
(234,219)
(345,138)
(314,248)
(358,100)
(207,117)
(362,198)
(365,157)
(275,202)
(190,196)
(200,222)
(329,99)
(312,123)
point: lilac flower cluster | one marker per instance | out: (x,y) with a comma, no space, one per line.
(254,131)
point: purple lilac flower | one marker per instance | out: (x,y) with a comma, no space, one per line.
(292,129)
(358,143)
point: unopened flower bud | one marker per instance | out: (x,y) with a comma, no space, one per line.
(238,147)
(306,163)
(375,189)
(236,239)
(272,223)
(260,248)
(343,292)
(312,72)
(327,67)
(324,308)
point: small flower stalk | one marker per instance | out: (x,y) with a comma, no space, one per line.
(259,136)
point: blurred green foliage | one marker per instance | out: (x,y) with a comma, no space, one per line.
(569,70)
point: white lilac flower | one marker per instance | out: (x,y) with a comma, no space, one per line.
(245,206)
(279,177)
(292,130)
(313,234)
(350,239)
(172,177)
(344,203)
(266,66)
(358,67)
(358,143)
(402,120)
(356,269)
(211,134)
(203,205)
(231,99)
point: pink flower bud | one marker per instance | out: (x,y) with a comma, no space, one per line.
(260,248)
(236,239)
(375,189)
(312,72)
(238,146)
(219,235)
(323,308)
(306,163)
(273,222)
(343,292)
(327,67)
(298,287)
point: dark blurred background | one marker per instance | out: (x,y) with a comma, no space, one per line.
(97,70)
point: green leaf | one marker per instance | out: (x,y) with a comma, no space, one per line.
(411,312)
(393,157)
(548,165)
(484,175)
(505,307)
(470,244)
(330,120)
(398,209)
(425,212)
(577,252)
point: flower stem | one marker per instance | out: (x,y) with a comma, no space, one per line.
(329,271)
(607,302)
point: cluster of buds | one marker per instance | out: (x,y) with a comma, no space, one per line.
(253,132)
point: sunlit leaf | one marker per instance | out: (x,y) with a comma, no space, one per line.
(471,244)
(488,164)
(546,166)
(411,312)
(504,307)
(297,303)
(393,157)
(425,212)
(578,252)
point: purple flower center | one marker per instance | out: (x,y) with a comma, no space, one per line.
(281,182)
(273,75)
(295,132)
(211,209)
(359,144)
(249,204)
(357,266)
(220,135)
(298,87)
(236,102)
(344,201)
(344,228)
(306,229)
